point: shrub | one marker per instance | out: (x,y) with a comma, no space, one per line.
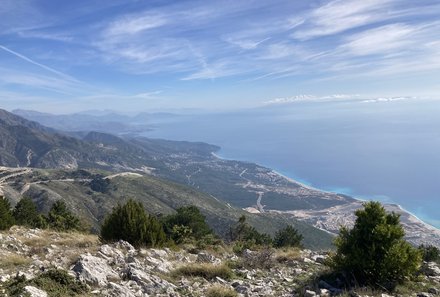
(220,291)
(247,236)
(374,252)
(430,253)
(205,270)
(100,184)
(187,222)
(26,214)
(59,283)
(287,237)
(61,219)
(6,218)
(131,223)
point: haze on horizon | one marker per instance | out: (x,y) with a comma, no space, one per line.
(63,57)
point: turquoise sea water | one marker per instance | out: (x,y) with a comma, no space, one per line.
(388,151)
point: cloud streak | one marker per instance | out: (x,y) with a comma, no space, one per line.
(27,59)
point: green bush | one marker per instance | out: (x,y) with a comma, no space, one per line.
(188,222)
(374,252)
(61,219)
(430,253)
(57,283)
(6,218)
(287,237)
(131,223)
(100,184)
(26,214)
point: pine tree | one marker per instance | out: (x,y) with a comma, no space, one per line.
(287,237)
(26,214)
(61,219)
(374,252)
(131,223)
(6,218)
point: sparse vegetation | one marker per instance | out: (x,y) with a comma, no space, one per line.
(13,260)
(245,236)
(374,252)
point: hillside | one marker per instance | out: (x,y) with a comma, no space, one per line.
(241,184)
(92,195)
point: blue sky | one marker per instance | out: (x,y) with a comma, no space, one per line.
(67,56)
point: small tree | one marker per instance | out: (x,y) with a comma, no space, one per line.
(287,237)
(26,214)
(6,218)
(130,222)
(374,251)
(187,222)
(61,219)
(245,233)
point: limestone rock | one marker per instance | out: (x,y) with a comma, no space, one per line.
(35,292)
(431,269)
(94,270)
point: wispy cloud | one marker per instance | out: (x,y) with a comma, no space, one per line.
(334,44)
(382,40)
(307,97)
(133,24)
(341,15)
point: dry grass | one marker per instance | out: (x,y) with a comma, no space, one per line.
(205,270)
(220,291)
(11,260)
(288,255)
(69,240)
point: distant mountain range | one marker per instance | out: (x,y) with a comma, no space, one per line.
(235,184)
(107,121)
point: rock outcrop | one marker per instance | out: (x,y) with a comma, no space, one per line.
(119,269)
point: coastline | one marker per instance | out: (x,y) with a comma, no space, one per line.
(360,199)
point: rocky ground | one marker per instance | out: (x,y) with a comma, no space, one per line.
(119,269)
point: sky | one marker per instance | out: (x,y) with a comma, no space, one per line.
(126,55)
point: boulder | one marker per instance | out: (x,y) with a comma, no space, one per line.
(431,269)
(115,290)
(150,284)
(93,270)
(309,293)
(35,292)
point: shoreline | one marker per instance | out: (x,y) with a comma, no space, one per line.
(360,199)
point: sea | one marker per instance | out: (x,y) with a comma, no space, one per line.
(385,150)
